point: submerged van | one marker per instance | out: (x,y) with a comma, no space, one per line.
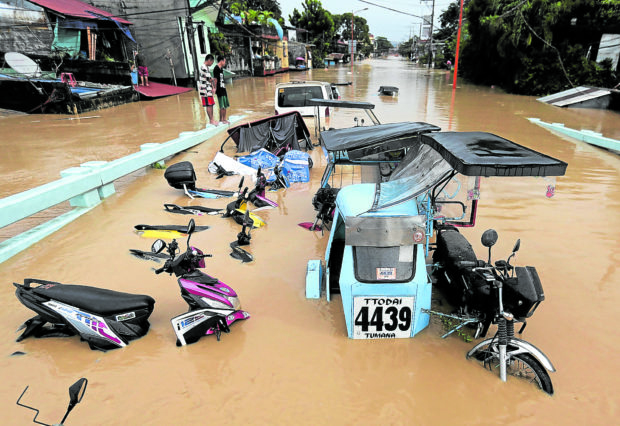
(294,96)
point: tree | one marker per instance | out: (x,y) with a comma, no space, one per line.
(269,8)
(537,47)
(447,33)
(272,6)
(342,29)
(318,22)
(383,46)
(408,48)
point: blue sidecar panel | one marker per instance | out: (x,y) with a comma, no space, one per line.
(384,310)
(377,309)
(314,278)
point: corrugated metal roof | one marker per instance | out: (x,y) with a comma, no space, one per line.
(574,96)
(76,8)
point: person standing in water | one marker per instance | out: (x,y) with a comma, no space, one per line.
(205,88)
(220,88)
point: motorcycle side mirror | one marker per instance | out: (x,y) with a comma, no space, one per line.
(191,227)
(158,246)
(517,246)
(76,393)
(489,238)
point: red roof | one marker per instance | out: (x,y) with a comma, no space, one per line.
(76,8)
(158,90)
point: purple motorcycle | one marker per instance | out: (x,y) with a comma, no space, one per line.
(213,305)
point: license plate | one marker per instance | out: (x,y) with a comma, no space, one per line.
(382,317)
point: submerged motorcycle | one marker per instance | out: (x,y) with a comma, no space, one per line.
(257,195)
(485,293)
(182,176)
(213,305)
(106,319)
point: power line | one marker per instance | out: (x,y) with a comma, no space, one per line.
(395,10)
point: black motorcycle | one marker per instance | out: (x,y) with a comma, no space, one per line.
(484,294)
(106,319)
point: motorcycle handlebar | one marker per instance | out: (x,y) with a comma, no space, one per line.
(466,264)
(160,270)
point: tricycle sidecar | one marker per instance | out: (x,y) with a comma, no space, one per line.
(376,253)
(376,262)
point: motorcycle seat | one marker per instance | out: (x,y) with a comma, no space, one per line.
(200,278)
(96,300)
(453,247)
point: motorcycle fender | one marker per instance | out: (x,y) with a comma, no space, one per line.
(524,347)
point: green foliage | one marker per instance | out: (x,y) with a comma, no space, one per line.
(447,33)
(159,165)
(219,45)
(537,47)
(383,45)
(405,48)
(318,22)
(257,11)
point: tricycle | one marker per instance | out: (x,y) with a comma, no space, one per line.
(382,236)
(361,155)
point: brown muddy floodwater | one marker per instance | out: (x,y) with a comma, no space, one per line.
(292,363)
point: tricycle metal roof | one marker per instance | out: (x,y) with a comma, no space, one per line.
(396,135)
(486,154)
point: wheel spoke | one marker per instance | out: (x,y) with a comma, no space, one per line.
(522,366)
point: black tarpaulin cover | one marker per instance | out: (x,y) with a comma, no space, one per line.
(356,137)
(285,129)
(485,154)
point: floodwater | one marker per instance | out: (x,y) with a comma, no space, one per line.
(292,363)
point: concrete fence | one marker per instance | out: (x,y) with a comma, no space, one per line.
(85,187)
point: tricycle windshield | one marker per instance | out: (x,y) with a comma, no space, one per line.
(384,264)
(455,200)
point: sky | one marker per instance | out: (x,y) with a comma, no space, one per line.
(382,22)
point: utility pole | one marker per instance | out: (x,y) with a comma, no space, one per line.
(430,46)
(458,45)
(190,39)
(352,46)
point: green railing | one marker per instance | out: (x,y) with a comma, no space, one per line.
(85,187)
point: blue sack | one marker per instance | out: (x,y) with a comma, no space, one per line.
(261,158)
(295,166)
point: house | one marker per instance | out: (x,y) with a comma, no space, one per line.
(298,49)
(68,39)
(258,50)
(69,36)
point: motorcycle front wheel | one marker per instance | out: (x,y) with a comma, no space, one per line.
(522,366)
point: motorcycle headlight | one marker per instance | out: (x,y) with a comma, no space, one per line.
(235,302)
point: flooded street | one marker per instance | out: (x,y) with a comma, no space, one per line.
(292,362)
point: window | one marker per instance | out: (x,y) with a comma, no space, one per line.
(384,264)
(201,39)
(298,96)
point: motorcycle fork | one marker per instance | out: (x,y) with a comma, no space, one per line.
(502,336)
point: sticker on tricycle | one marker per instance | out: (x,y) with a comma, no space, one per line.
(382,317)
(386,273)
